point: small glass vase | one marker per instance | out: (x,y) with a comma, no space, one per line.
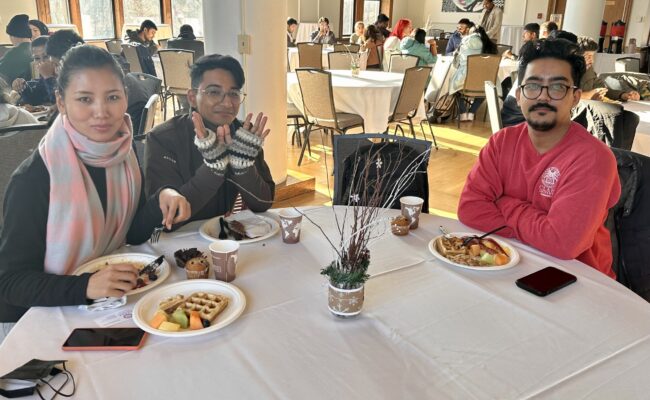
(355,70)
(345,303)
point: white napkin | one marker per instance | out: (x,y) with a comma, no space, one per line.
(254,225)
(105,303)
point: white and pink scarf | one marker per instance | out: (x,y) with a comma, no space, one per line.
(77,230)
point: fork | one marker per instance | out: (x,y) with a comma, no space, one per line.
(155,235)
(444,231)
(483,236)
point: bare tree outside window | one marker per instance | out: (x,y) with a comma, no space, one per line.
(59,12)
(348,17)
(97,19)
(136,11)
(187,12)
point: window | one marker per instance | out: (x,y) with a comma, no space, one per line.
(136,11)
(59,12)
(187,12)
(96,19)
(370,11)
(348,17)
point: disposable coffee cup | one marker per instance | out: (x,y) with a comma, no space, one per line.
(411,208)
(224,259)
(290,221)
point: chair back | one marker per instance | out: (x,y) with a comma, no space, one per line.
(148,116)
(317,95)
(627,64)
(440,77)
(620,134)
(442,46)
(339,60)
(196,46)
(363,60)
(176,69)
(401,62)
(131,55)
(352,47)
(16,144)
(411,92)
(310,55)
(163,43)
(480,68)
(493,106)
(114,46)
(502,48)
(435,33)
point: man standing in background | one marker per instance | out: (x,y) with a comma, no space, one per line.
(491,20)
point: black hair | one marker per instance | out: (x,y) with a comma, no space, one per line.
(465,21)
(532,27)
(62,41)
(291,21)
(382,18)
(550,26)
(40,41)
(147,24)
(566,35)
(86,57)
(40,25)
(4,92)
(372,32)
(489,47)
(558,49)
(420,35)
(216,61)
(587,44)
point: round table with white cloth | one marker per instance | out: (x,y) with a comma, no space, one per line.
(428,330)
(372,95)
(641,142)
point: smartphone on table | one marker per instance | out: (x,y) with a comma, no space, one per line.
(546,281)
(105,339)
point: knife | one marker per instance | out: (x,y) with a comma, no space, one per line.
(152,266)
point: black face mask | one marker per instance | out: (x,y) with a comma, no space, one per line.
(26,379)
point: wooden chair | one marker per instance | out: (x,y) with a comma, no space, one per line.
(310,55)
(401,62)
(494,109)
(480,68)
(176,73)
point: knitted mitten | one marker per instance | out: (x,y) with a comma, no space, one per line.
(214,155)
(242,151)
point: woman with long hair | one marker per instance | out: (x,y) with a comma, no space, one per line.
(402,29)
(415,46)
(373,44)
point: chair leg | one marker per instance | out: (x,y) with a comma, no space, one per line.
(305,143)
(411,126)
(430,130)
(458,100)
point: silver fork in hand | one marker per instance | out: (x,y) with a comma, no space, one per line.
(155,235)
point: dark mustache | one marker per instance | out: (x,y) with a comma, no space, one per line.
(539,106)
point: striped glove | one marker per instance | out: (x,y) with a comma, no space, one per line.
(214,155)
(243,150)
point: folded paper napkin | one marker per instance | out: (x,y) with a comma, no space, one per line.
(105,303)
(254,225)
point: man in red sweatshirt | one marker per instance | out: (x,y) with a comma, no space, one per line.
(547,179)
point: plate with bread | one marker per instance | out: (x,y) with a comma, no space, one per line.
(190,308)
(467,250)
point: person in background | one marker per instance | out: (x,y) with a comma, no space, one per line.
(358,36)
(530,32)
(81,192)
(382,24)
(548,180)
(144,36)
(292,25)
(374,41)
(415,46)
(323,34)
(16,62)
(462,30)
(402,29)
(186,32)
(11,115)
(546,29)
(38,28)
(491,18)
(594,88)
(476,42)
(40,90)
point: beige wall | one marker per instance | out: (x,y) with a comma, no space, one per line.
(9,8)
(639,22)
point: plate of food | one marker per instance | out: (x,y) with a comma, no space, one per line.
(244,227)
(486,254)
(156,271)
(189,308)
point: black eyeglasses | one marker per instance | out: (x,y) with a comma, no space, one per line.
(218,95)
(556,91)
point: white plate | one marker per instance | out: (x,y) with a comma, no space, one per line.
(514,255)
(99,263)
(210,230)
(147,306)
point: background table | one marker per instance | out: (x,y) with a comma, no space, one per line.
(642,138)
(604,62)
(428,330)
(372,94)
(304,31)
(511,35)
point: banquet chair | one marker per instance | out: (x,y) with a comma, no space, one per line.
(310,55)
(294,114)
(435,33)
(442,46)
(147,121)
(162,43)
(349,48)
(16,144)
(409,100)
(494,109)
(480,68)
(176,74)
(627,64)
(347,148)
(114,46)
(318,102)
(140,87)
(595,116)
(401,62)
(339,60)
(197,46)
(502,48)
(131,55)
(363,60)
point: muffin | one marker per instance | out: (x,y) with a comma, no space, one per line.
(184,255)
(399,226)
(197,268)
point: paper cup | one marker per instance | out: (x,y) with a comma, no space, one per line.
(290,221)
(224,259)
(411,208)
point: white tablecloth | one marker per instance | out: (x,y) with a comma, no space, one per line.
(304,31)
(293,57)
(428,331)
(372,94)
(641,143)
(604,62)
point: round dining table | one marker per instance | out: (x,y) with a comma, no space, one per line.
(428,329)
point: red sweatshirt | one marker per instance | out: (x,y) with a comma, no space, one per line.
(556,202)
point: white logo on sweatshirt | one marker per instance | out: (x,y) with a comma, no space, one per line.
(549,180)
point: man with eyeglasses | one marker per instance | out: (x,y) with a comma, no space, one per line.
(40,90)
(462,30)
(210,156)
(547,179)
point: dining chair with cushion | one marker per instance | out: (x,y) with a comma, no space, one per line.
(494,109)
(131,55)
(350,48)
(401,62)
(318,106)
(147,121)
(197,46)
(480,68)
(114,46)
(176,74)
(627,64)
(310,55)
(502,48)
(339,60)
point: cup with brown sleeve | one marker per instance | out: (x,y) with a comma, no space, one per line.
(411,208)
(224,259)
(290,221)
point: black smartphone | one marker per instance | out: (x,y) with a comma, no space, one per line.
(105,339)
(546,281)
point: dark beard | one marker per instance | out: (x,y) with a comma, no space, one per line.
(541,126)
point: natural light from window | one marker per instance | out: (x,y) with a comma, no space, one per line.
(96,19)
(136,11)
(59,12)
(188,12)
(348,17)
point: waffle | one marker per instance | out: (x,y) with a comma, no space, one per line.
(169,304)
(209,305)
